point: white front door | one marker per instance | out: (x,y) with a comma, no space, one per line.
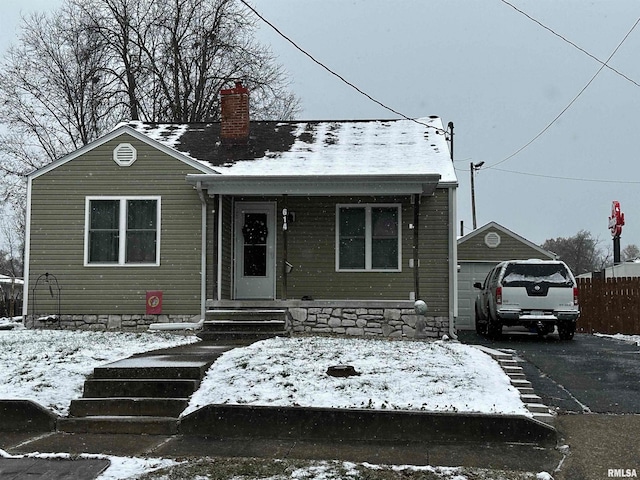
(255,250)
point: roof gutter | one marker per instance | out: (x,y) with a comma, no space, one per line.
(321,185)
(453,264)
(27,250)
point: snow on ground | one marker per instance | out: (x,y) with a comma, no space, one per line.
(50,366)
(635,339)
(121,468)
(398,375)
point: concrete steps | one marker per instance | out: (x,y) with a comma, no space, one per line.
(132,407)
(147,425)
(244,324)
(139,395)
(183,372)
(137,387)
(518,379)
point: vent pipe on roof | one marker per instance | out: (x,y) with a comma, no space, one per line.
(234,121)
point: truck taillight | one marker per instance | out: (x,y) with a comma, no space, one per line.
(499,295)
(575,295)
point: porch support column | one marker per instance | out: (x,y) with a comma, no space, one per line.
(416,245)
(203,253)
(220,237)
(285,228)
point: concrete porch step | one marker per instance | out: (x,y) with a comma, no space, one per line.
(243,324)
(147,425)
(254,326)
(247,314)
(239,337)
(138,407)
(149,388)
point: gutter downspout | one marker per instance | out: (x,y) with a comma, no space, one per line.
(27,249)
(416,246)
(453,264)
(203,255)
(219,272)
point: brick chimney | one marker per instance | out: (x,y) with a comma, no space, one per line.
(234,122)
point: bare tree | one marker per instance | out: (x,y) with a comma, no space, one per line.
(11,255)
(54,96)
(172,57)
(630,253)
(582,253)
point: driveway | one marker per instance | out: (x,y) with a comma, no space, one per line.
(587,374)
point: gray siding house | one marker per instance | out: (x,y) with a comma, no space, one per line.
(343,224)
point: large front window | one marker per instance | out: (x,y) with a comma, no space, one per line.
(122,231)
(368,237)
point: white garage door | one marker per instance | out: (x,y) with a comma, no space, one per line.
(470,272)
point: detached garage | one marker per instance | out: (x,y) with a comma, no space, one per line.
(478,252)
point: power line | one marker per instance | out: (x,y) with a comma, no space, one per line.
(570,103)
(337,75)
(556,177)
(570,42)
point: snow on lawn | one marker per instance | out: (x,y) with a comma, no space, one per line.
(399,375)
(50,366)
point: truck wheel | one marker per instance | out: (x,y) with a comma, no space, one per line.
(494,327)
(481,326)
(566,330)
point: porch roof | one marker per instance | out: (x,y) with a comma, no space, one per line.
(316,184)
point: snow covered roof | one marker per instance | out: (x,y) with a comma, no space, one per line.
(316,148)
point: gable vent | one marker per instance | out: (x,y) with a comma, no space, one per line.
(124,154)
(492,239)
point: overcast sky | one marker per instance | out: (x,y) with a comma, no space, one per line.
(499,77)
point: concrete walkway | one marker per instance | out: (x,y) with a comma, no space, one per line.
(596,444)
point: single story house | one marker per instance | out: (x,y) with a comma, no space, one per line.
(478,252)
(342,224)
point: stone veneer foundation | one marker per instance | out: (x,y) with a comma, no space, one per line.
(122,323)
(381,322)
(352,318)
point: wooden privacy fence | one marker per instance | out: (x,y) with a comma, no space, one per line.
(609,305)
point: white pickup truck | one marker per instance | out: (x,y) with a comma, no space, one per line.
(537,294)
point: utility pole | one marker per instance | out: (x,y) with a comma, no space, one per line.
(474,167)
(450,125)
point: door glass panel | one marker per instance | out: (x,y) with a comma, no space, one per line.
(255,232)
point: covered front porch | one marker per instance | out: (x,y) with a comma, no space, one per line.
(335,254)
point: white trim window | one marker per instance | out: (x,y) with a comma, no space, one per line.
(368,238)
(122,231)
